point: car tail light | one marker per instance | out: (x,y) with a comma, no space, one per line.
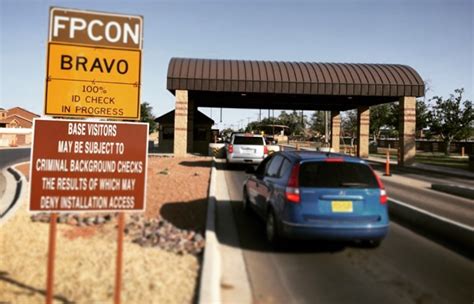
(383,193)
(334,160)
(265,150)
(231,148)
(383,196)
(292,191)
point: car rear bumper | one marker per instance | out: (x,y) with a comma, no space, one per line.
(308,232)
(250,160)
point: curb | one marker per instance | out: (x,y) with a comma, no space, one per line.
(209,290)
(455,190)
(16,185)
(447,232)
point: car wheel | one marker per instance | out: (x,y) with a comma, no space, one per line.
(271,229)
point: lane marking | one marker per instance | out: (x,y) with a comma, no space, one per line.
(441,218)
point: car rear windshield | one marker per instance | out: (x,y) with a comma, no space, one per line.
(336,175)
(252,141)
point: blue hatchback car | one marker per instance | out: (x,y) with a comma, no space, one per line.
(314,195)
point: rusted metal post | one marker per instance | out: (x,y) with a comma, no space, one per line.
(51,256)
(118,267)
(297,146)
(462,151)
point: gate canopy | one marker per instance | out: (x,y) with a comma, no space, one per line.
(291,85)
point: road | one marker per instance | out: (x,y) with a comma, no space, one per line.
(7,158)
(406,268)
(11,156)
(416,189)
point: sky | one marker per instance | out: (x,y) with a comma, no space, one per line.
(434,37)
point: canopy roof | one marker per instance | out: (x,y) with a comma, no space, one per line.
(291,85)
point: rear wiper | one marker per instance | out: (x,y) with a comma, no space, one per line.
(354,184)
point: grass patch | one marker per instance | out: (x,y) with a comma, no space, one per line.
(443,160)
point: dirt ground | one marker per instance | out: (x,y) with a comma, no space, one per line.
(85,258)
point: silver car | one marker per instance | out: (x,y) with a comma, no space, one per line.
(246,149)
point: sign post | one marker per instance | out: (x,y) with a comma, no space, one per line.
(93,70)
(119,263)
(51,256)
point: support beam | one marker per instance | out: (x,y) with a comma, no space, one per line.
(363,123)
(181,124)
(407,131)
(335,130)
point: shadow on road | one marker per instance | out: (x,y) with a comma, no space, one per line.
(251,236)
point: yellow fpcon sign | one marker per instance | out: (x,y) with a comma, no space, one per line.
(88,81)
(94,62)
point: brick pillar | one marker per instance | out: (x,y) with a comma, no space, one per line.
(363,121)
(181,124)
(335,130)
(407,131)
(191,113)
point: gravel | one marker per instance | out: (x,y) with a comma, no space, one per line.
(156,232)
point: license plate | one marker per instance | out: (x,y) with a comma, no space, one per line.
(341,206)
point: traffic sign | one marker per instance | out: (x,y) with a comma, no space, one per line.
(73,26)
(83,166)
(94,62)
(87,81)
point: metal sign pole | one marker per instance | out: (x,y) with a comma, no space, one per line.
(51,255)
(118,268)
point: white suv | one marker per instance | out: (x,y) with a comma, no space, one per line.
(246,149)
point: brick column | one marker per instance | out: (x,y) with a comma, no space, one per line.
(181,124)
(407,130)
(363,121)
(191,113)
(335,130)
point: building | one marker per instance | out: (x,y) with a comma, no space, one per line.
(201,133)
(16,117)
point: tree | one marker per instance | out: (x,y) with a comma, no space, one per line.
(379,118)
(349,125)
(317,124)
(296,123)
(147,116)
(257,126)
(451,118)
